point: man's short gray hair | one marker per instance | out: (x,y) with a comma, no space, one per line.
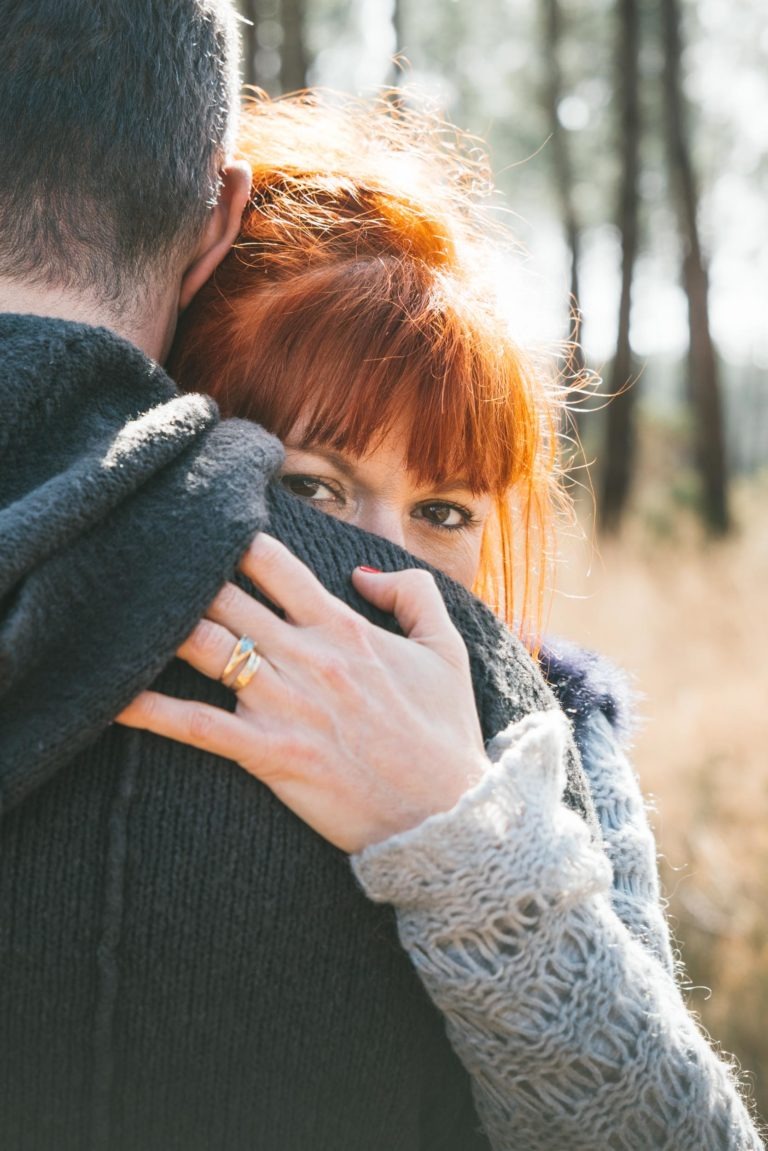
(114,118)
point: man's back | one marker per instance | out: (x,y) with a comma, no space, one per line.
(186,965)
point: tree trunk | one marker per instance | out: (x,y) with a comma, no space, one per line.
(619,455)
(248,9)
(398,24)
(293,56)
(703,366)
(563,172)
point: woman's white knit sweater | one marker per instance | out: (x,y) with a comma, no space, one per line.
(550,958)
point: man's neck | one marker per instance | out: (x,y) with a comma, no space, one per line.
(147,332)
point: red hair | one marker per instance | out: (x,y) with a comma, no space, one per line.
(357,295)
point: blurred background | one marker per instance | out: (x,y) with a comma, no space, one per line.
(630,139)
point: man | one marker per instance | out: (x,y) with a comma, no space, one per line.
(184,963)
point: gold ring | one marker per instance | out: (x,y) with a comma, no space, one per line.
(243,650)
(247,672)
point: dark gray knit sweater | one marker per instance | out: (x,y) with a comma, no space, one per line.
(185,965)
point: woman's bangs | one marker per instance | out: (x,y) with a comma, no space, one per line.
(438,388)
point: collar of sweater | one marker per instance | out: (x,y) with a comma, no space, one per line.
(123,508)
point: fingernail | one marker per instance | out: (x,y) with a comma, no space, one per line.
(372,571)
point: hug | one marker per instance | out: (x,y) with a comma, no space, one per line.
(309,839)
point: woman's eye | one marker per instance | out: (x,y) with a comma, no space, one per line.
(444,515)
(310,488)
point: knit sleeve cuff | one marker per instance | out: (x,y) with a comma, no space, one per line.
(513,811)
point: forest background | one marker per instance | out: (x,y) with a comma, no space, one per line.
(630,138)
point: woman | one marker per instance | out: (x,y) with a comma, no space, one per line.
(366,268)
(355,320)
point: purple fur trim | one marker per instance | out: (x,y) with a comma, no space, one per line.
(585,682)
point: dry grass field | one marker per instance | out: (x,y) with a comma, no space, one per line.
(689,620)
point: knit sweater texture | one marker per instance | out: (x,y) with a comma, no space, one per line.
(185,964)
(550,957)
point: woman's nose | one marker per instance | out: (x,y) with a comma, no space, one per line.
(381,519)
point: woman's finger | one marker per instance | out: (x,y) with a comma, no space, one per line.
(287,582)
(412,597)
(210,648)
(238,611)
(198,724)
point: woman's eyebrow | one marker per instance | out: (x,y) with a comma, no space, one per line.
(348,468)
(459,483)
(341,462)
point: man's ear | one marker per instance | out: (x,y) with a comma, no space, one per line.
(220,231)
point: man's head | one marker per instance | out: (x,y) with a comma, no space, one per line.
(115,120)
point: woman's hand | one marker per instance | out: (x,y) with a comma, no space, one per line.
(362,733)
